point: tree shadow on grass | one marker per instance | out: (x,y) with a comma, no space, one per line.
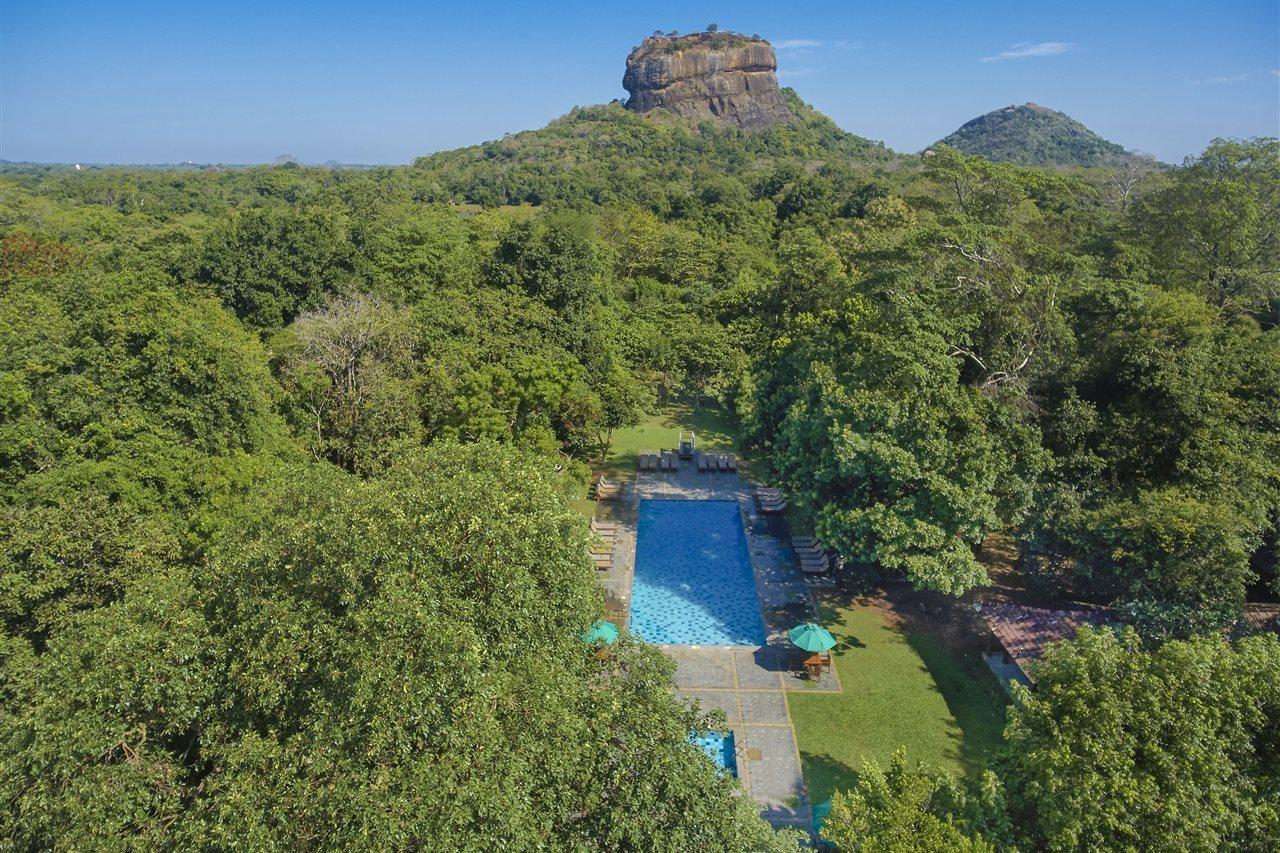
(824,775)
(971,692)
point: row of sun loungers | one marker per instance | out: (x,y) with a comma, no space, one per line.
(812,557)
(770,500)
(717,462)
(606,490)
(664,461)
(602,550)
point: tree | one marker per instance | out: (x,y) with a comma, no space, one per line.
(623,402)
(901,810)
(350,368)
(269,265)
(1165,436)
(1212,226)
(554,259)
(363,661)
(1120,746)
(900,465)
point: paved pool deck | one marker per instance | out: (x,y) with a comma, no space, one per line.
(747,683)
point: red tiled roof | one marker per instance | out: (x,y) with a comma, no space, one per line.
(1026,631)
(1264,617)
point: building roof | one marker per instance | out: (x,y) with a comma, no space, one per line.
(1025,632)
(1264,617)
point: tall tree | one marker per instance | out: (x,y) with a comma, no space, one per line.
(1214,226)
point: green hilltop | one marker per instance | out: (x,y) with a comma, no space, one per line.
(607,152)
(1032,135)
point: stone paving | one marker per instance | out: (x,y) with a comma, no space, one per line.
(747,684)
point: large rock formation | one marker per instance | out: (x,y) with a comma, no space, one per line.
(707,75)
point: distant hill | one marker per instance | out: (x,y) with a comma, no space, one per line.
(1032,135)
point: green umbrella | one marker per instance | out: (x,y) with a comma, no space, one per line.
(811,637)
(601,630)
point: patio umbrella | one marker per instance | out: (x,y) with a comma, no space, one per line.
(600,630)
(811,637)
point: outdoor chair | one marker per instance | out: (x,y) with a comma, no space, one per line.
(815,567)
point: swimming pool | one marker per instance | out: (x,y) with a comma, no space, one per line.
(693,582)
(719,745)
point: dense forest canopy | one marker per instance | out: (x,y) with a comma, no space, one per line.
(263,429)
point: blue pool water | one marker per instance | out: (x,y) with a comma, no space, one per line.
(693,582)
(719,745)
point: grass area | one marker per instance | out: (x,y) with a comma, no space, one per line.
(661,431)
(902,688)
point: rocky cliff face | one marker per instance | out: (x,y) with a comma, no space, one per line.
(708,75)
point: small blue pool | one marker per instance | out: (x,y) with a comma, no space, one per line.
(693,582)
(719,745)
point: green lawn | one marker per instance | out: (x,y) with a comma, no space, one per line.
(661,431)
(901,688)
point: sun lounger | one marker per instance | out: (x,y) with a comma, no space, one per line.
(604,563)
(769,493)
(702,462)
(773,508)
(732,460)
(805,542)
(722,463)
(811,564)
(668,462)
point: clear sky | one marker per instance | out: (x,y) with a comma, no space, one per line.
(383,82)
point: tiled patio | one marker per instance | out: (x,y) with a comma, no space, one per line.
(747,684)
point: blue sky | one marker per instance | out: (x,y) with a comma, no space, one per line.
(383,82)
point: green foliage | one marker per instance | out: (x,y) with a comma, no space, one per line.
(213,640)
(900,810)
(269,265)
(1119,746)
(1211,227)
(350,655)
(608,154)
(1166,439)
(899,464)
(1032,135)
